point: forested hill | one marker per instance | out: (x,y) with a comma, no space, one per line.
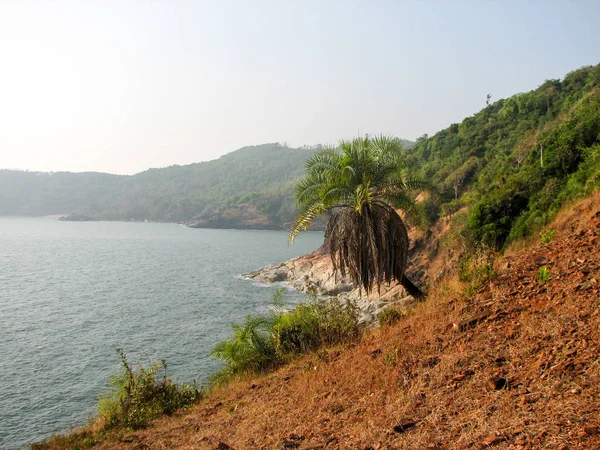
(505,171)
(250,187)
(501,173)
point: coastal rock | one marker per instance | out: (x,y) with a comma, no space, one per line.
(314,272)
(76,218)
(276,276)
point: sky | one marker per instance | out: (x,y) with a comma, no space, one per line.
(121,86)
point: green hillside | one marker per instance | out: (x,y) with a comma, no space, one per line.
(502,173)
(514,163)
(251,184)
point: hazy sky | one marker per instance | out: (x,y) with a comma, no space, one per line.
(120,86)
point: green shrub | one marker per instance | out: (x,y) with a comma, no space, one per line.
(75,441)
(472,271)
(318,323)
(389,317)
(544,205)
(250,350)
(432,210)
(492,218)
(547,236)
(543,274)
(141,395)
(263,342)
(451,207)
(585,180)
(476,269)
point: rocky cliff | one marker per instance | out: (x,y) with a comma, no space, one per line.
(315,272)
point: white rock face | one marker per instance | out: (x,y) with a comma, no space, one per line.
(313,270)
(316,270)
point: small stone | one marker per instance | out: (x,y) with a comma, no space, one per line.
(405,424)
(292,442)
(223,446)
(497,383)
(492,439)
(375,353)
(542,434)
(521,441)
(475,320)
(587,285)
(590,430)
(500,359)
(431,362)
(541,261)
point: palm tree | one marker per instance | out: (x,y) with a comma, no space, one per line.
(359,186)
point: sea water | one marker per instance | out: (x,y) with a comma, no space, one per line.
(71,293)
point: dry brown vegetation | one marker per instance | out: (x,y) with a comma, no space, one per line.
(515,365)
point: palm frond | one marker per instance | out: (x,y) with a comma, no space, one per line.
(323,161)
(305,219)
(386,145)
(370,247)
(307,190)
(417,184)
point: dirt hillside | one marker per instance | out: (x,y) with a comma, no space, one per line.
(514,364)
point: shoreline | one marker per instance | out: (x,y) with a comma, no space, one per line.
(314,272)
(189,224)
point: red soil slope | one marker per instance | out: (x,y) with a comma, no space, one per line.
(516,365)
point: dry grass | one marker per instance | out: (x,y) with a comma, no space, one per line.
(434,368)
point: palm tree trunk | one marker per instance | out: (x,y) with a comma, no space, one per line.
(411,288)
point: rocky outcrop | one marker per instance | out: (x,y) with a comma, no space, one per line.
(309,271)
(243,216)
(315,272)
(76,218)
(233,223)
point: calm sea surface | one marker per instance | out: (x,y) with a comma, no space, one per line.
(73,292)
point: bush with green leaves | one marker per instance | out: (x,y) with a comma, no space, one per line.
(140,395)
(476,269)
(389,317)
(543,274)
(315,324)
(432,210)
(547,236)
(250,350)
(261,343)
